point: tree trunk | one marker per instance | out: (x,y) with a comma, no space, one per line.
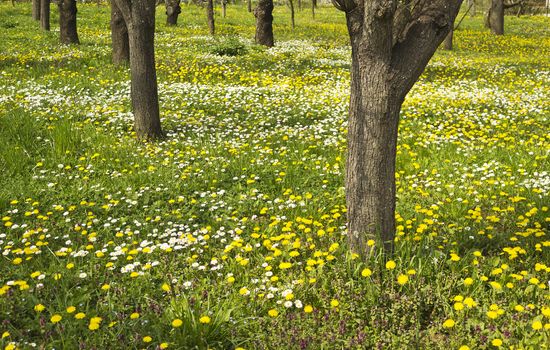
(264,22)
(224,8)
(173,9)
(386,62)
(249,6)
(67,22)
(36,10)
(495,17)
(210,16)
(448,42)
(300,5)
(472,6)
(291,3)
(119,36)
(313,6)
(45,14)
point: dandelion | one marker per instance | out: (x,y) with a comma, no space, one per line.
(80,315)
(450,323)
(468,281)
(496,342)
(273,313)
(134,315)
(402,279)
(334,303)
(536,325)
(390,265)
(204,319)
(308,309)
(39,308)
(71,309)
(55,318)
(177,323)
(366,272)
(147,339)
(163,346)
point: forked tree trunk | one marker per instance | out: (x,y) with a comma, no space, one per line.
(67,22)
(173,9)
(264,22)
(119,36)
(495,17)
(140,21)
(45,14)
(36,10)
(210,16)
(448,42)
(292,21)
(386,62)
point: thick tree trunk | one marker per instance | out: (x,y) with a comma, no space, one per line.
(67,22)
(264,22)
(173,9)
(45,14)
(119,36)
(210,16)
(495,17)
(392,43)
(249,6)
(292,21)
(141,34)
(448,42)
(36,10)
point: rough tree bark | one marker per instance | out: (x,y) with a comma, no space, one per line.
(264,22)
(139,17)
(210,16)
(67,22)
(119,37)
(292,20)
(36,10)
(392,42)
(45,14)
(448,42)
(495,17)
(173,9)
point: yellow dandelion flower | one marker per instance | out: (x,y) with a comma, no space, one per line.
(308,309)
(366,273)
(80,315)
(204,319)
(71,309)
(450,323)
(390,265)
(134,315)
(147,339)
(273,313)
(402,279)
(536,325)
(334,303)
(496,342)
(163,346)
(177,323)
(39,308)
(55,318)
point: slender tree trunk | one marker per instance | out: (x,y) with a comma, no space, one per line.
(249,6)
(141,34)
(36,10)
(173,9)
(448,42)
(224,8)
(495,17)
(313,6)
(291,3)
(119,36)
(67,22)
(210,16)
(300,5)
(264,22)
(45,14)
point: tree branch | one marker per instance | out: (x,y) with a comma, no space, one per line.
(125,7)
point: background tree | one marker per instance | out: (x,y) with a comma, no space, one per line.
(36,10)
(224,8)
(67,22)
(292,20)
(392,42)
(313,6)
(249,5)
(495,15)
(210,16)
(45,14)
(264,22)
(173,9)
(119,36)
(139,16)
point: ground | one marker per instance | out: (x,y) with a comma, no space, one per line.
(231,232)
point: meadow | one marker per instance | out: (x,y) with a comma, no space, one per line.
(230,233)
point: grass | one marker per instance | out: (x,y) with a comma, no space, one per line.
(235,224)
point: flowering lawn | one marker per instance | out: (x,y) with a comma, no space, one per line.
(230,233)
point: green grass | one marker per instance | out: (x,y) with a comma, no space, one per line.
(242,209)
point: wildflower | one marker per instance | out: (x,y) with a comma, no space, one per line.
(80,315)
(402,279)
(177,323)
(204,319)
(71,309)
(308,309)
(55,318)
(366,273)
(147,339)
(134,315)
(496,342)
(165,287)
(39,308)
(468,281)
(464,347)
(285,265)
(163,346)
(390,265)
(536,325)
(5,334)
(334,303)
(273,313)
(450,323)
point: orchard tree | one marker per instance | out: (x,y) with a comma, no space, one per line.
(67,22)
(264,22)
(173,9)
(392,42)
(210,16)
(139,16)
(45,14)
(119,36)
(36,10)
(495,15)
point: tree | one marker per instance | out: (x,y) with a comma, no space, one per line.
(119,36)
(313,6)
(224,8)
(36,10)
(173,9)
(139,16)
(264,22)
(495,15)
(67,22)
(45,14)
(448,42)
(392,42)
(210,16)
(292,21)
(249,5)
